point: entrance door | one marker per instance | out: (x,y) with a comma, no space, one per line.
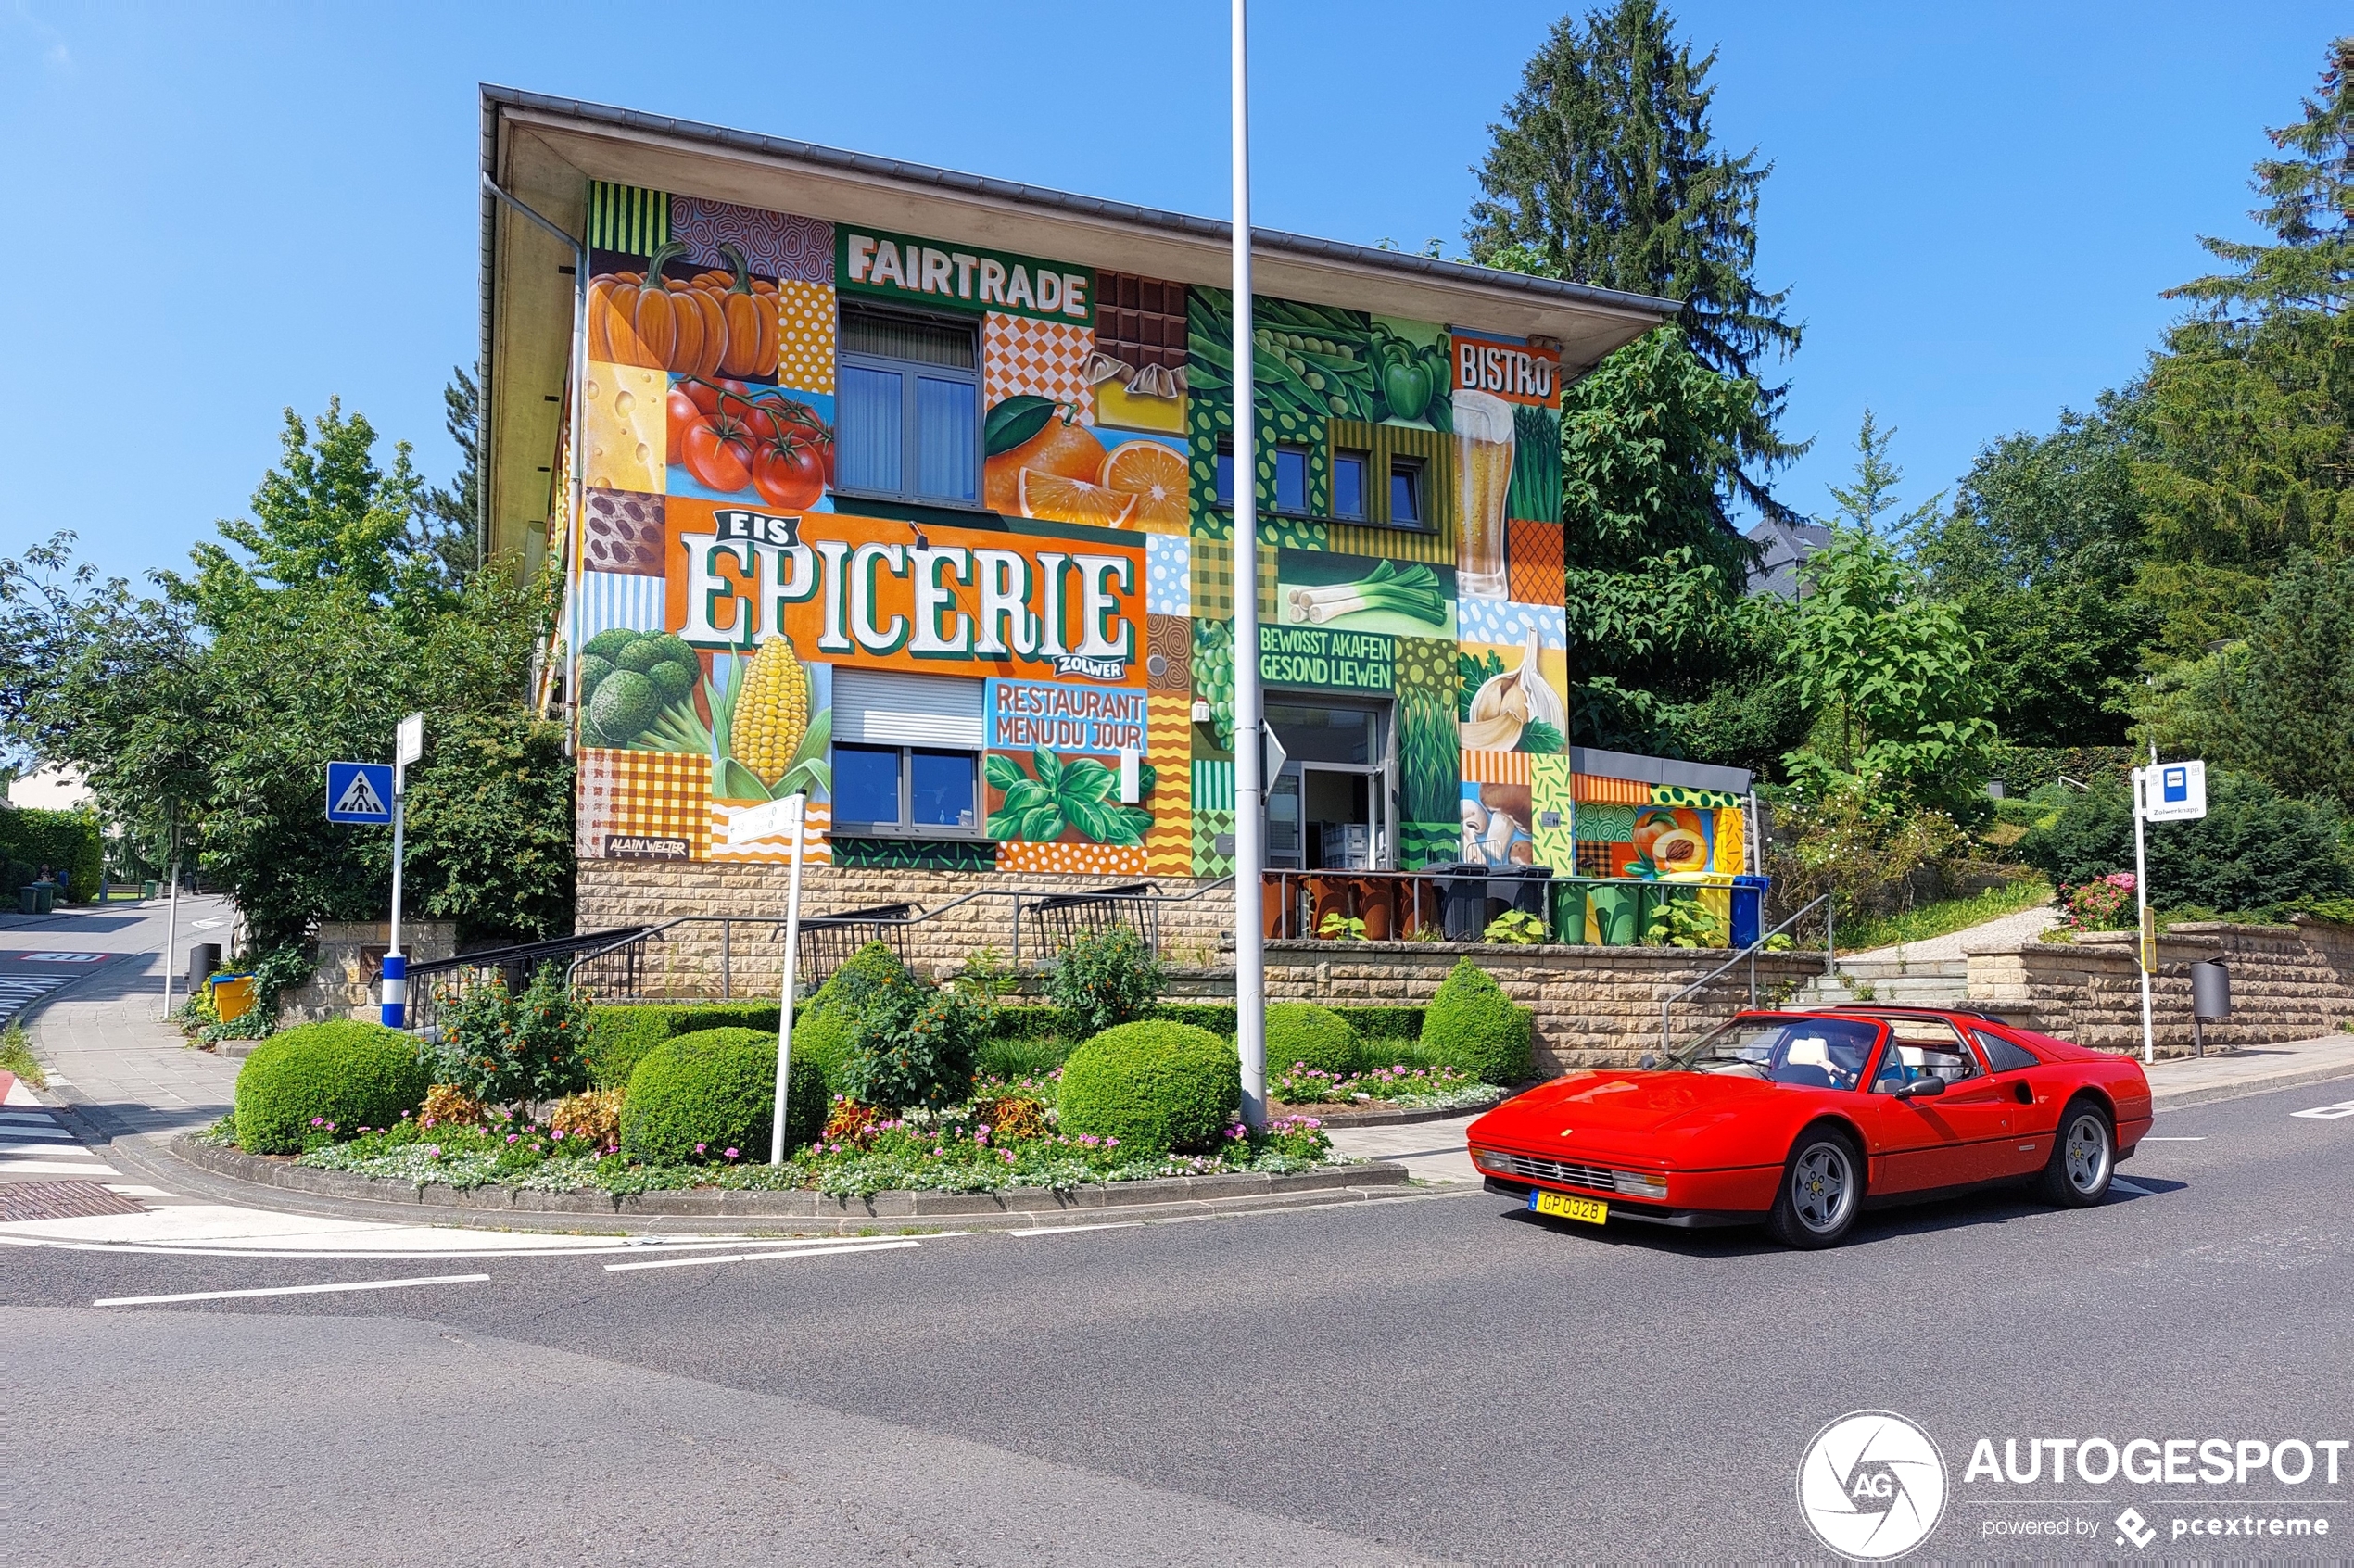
(1340,825)
(1329,809)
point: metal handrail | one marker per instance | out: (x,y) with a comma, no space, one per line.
(1830,963)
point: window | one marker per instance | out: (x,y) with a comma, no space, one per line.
(1291,479)
(1921,1048)
(2002,1054)
(1225,475)
(1348,486)
(907,409)
(1406,492)
(906,754)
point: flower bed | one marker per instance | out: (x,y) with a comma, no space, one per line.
(1402,1086)
(958,1150)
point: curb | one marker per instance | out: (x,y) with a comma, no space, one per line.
(1187,1196)
(2182,1099)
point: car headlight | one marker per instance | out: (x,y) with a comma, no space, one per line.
(1639,1183)
(1488,1159)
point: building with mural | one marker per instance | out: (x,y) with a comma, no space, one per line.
(913,491)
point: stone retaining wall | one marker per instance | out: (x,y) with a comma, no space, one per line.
(2288,982)
(350,962)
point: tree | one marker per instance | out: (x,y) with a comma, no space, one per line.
(2252,403)
(2286,712)
(2039,553)
(1605,170)
(451,515)
(2255,852)
(1873,494)
(1889,675)
(491,827)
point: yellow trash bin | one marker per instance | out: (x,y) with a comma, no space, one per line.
(232,996)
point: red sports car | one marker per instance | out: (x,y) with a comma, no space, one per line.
(1801,1119)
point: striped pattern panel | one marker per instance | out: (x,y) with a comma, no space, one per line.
(1393,544)
(1433,544)
(1168,843)
(1213,785)
(1496,768)
(1609,792)
(618,599)
(627,218)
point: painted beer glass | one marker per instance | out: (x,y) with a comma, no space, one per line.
(1483,473)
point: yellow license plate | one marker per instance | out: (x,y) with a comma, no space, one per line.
(1593,1211)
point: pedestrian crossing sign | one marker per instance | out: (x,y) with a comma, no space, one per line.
(360,791)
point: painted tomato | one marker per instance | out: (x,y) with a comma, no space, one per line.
(681,409)
(719,452)
(789,472)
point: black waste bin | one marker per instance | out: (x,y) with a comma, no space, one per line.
(1462,892)
(204,958)
(1518,888)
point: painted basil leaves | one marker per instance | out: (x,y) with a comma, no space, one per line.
(1081,794)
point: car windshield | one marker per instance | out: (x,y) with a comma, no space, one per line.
(1821,1053)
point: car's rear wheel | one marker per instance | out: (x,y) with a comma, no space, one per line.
(1822,1188)
(2083,1157)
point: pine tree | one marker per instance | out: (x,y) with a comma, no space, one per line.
(1605,170)
(451,515)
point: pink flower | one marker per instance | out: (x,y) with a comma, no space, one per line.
(731,1154)
(511,1137)
(699,1148)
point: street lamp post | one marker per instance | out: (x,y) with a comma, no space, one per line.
(1250,971)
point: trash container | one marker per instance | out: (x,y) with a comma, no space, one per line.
(233,996)
(1614,913)
(1519,886)
(44,896)
(1749,910)
(29,898)
(203,958)
(148,888)
(2211,992)
(1462,892)
(1569,912)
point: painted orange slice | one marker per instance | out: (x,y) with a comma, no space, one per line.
(1057,499)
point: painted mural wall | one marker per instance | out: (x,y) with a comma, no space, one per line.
(725,583)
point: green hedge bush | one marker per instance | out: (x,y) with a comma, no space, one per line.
(1473,1025)
(1302,1032)
(350,1073)
(67,843)
(716,1088)
(622,1035)
(823,1039)
(1154,1085)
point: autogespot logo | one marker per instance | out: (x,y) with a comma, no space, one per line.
(1872,1485)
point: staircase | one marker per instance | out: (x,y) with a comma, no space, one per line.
(1889,982)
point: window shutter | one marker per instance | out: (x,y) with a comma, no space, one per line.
(885,708)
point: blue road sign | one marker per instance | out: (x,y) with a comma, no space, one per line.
(360,792)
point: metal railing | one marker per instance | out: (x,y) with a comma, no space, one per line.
(441,982)
(672,961)
(1749,955)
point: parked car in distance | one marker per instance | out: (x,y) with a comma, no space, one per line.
(1801,1121)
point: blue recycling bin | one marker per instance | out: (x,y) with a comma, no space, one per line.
(1749,909)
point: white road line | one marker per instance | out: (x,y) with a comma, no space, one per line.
(2122,1185)
(2154,1138)
(760,1257)
(285,1290)
(225,1247)
(56,1167)
(1066,1230)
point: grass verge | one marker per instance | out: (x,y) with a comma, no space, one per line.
(15,1056)
(1942,917)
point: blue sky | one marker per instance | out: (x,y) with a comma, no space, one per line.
(217,211)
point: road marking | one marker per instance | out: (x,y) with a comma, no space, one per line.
(2154,1138)
(2328,1113)
(1067,1230)
(760,1257)
(2122,1185)
(285,1290)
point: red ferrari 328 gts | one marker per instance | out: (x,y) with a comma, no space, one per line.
(1801,1119)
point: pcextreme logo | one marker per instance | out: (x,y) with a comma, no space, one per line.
(1872,1485)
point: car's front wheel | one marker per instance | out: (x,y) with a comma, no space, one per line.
(2083,1157)
(1822,1188)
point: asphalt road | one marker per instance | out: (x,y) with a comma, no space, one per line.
(1439,1378)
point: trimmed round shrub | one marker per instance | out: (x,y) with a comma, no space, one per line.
(1302,1032)
(1473,1025)
(350,1073)
(1155,1086)
(716,1087)
(823,1039)
(870,970)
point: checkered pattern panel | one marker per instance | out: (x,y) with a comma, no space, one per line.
(1594,860)
(659,794)
(1020,356)
(805,335)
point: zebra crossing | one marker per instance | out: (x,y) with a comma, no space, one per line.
(20,992)
(34,1142)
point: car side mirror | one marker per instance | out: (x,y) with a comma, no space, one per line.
(1921,1088)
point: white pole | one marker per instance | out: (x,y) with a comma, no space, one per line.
(171,914)
(800,806)
(1251,963)
(2144,939)
(395,1003)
